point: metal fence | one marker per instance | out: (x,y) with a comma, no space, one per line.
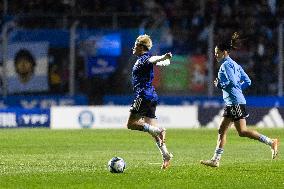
(265,68)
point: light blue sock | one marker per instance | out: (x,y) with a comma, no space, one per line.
(218,153)
(265,140)
(146,127)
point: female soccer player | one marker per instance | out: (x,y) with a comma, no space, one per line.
(142,111)
(232,80)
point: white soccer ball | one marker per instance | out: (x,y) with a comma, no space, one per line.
(116,165)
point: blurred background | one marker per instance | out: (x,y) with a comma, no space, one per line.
(70,52)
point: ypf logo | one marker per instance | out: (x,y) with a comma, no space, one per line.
(86,119)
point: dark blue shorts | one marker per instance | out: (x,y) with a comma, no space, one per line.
(144,107)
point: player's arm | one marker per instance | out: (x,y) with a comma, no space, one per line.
(245,80)
(163,60)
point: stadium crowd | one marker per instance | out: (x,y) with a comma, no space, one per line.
(185,25)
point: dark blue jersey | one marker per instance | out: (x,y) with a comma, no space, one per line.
(142,77)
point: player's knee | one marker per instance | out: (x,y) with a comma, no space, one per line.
(131,125)
(242,133)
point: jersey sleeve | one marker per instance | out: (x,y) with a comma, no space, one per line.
(160,60)
(245,80)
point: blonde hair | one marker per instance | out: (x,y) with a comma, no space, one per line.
(144,40)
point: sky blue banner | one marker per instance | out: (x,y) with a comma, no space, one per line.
(27,67)
(55,37)
(45,101)
(98,43)
(19,117)
(91,41)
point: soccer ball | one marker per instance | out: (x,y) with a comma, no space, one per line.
(116,165)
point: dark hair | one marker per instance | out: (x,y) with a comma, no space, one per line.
(230,44)
(24,54)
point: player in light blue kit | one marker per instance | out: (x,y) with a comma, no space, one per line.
(232,80)
(142,113)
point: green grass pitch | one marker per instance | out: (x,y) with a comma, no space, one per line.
(44,158)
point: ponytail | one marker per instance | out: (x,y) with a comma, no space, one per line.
(235,41)
(232,44)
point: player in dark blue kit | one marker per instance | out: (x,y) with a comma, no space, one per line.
(142,113)
(232,80)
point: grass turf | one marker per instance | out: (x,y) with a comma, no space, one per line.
(43,158)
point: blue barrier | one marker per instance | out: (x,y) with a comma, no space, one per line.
(20,117)
(204,101)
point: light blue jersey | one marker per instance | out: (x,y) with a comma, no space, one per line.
(232,80)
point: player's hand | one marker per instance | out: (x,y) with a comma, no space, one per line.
(216,81)
(168,55)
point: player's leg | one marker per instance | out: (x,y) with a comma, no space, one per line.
(222,137)
(150,119)
(245,132)
(160,142)
(221,141)
(135,122)
(142,108)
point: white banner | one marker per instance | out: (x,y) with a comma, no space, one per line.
(77,117)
